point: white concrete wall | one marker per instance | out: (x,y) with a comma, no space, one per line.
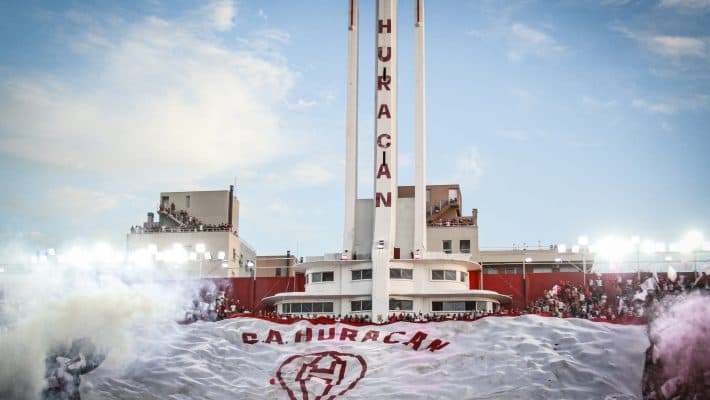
(364,219)
(437,234)
(208,206)
(405,227)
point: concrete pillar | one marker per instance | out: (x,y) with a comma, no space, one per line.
(420,238)
(351,129)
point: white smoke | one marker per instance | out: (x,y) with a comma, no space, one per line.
(46,304)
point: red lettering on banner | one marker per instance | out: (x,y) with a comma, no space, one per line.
(384,170)
(384,111)
(274,336)
(371,335)
(331,334)
(347,333)
(388,338)
(299,335)
(381,25)
(249,338)
(384,58)
(384,82)
(384,140)
(416,340)
(436,344)
(381,200)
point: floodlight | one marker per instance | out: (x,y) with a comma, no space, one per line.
(528,259)
(51,252)
(200,247)
(250,264)
(669,258)
(208,256)
(557,259)
(583,240)
(561,248)
(381,244)
(225,265)
(192,256)
(221,255)
(575,249)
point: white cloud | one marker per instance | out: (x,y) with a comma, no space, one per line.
(685,3)
(526,41)
(162,99)
(76,204)
(262,14)
(469,165)
(222,13)
(661,108)
(677,46)
(672,105)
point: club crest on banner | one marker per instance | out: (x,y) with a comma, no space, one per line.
(320,376)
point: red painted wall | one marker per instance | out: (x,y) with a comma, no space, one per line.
(249,292)
(536,284)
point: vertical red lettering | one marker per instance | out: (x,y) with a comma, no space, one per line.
(416,340)
(384,170)
(384,140)
(381,25)
(384,82)
(274,336)
(384,111)
(348,333)
(381,56)
(380,199)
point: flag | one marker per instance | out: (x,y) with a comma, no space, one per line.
(251,358)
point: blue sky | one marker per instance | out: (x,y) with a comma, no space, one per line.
(556,117)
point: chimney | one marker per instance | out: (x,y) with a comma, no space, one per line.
(474,213)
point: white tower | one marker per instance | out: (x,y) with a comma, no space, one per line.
(385,215)
(420,238)
(351,130)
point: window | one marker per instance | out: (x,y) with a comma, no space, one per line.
(278,271)
(447,246)
(465,246)
(454,306)
(327,276)
(511,270)
(464,276)
(361,305)
(400,273)
(317,307)
(360,274)
(187,201)
(401,305)
(443,275)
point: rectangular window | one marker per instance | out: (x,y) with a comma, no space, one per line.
(295,308)
(453,306)
(400,273)
(328,307)
(360,305)
(360,274)
(278,271)
(464,276)
(187,201)
(465,246)
(306,307)
(446,244)
(285,308)
(443,275)
(317,307)
(401,305)
(327,276)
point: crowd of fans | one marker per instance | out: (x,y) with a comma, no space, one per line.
(624,298)
(460,221)
(184,219)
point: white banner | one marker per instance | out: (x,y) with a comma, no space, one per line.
(526,357)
